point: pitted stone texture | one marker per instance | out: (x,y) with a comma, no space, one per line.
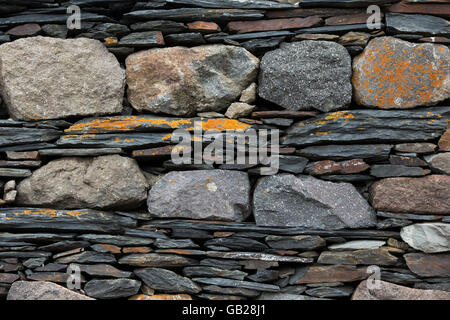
(41,290)
(427,237)
(396,74)
(107,182)
(48,78)
(304,201)
(203,194)
(184,81)
(427,195)
(295,78)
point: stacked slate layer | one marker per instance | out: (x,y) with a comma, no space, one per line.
(91,199)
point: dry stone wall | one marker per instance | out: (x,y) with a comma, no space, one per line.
(91,195)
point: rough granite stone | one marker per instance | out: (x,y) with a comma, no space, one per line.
(49,78)
(304,201)
(203,194)
(294,76)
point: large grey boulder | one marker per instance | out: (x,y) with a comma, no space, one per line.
(304,201)
(203,194)
(307,75)
(184,81)
(49,78)
(427,237)
(42,290)
(106,182)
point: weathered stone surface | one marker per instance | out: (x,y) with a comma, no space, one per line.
(332,167)
(294,78)
(439,162)
(205,194)
(354,39)
(330,292)
(444,142)
(357,245)
(104,182)
(416,147)
(273,24)
(117,240)
(393,170)
(79,152)
(163,297)
(41,290)
(237,243)
(146,39)
(427,237)
(29,29)
(12,136)
(396,74)
(60,220)
(390,291)
(112,289)
(257,256)
(119,140)
(14,173)
(365,126)
(163,280)
(429,265)
(369,152)
(8,277)
(58,277)
(427,195)
(97,88)
(204,271)
(379,257)
(157,260)
(358,18)
(182,81)
(407,161)
(204,27)
(326,274)
(87,257)
(238,284)
(286,200)
(239,110)
(295,242)
(417,24)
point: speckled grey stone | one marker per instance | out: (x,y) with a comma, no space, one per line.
(304,201)
(295,78)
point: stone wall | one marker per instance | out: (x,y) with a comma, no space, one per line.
(88,117)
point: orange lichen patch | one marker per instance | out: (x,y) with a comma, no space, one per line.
(136,250)
(51,213)
(144,297)
(126,123)
(387,78)
(203,26)
(111,41)
(323,133)
(222,125)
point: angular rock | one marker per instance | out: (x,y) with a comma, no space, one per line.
(11,137)
(171,244)
(264,257)
(157,260)
(418,80)
(239,110)
(14,173)
(8,277)
(205,194)
(116,240)
(295,242)
(326,274)
(389,291)
(237,4)
(427,195)
(185,39)
(129,140)
(416,147)
(87,257)
(147,39)
(444,142)
(238,284)
(439,162)
(104,182)
(294,78)
(427,237)
(41,290)
(407,161)
(286,200)
(330,292)
(332,167)
(96,90)
(183,81)
(272,24)
(369,152)
(417,24)
(163,280)
(58,277)
(112,289)
(292,164)
(380,257)
(237,243)
(25,30)
(429,265)
(357,245)
(365,126)
(393,170)
(205,272)
(101,270)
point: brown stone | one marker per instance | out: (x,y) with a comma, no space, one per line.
(329,274)
(136,250)
(429,265)
(424,8)
(344,167)
(427,195)
(284,114)
(416,147)
(380,257)
(444,142)
(108,248)
(8,277)
(390,291)
(22,155)
(204,27)
(407,161)
(354,39)
(316,36)
(273,24)
(30,29)
(348,19)
(396,74)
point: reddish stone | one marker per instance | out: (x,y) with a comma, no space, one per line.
(204,27)
(428,265)
(444,142)
(274,24)
(30,29)
(319,12)
(348,19)
(427,195)
(344,167)
(418,147)
(136,250)
(328,274)
(424,8)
